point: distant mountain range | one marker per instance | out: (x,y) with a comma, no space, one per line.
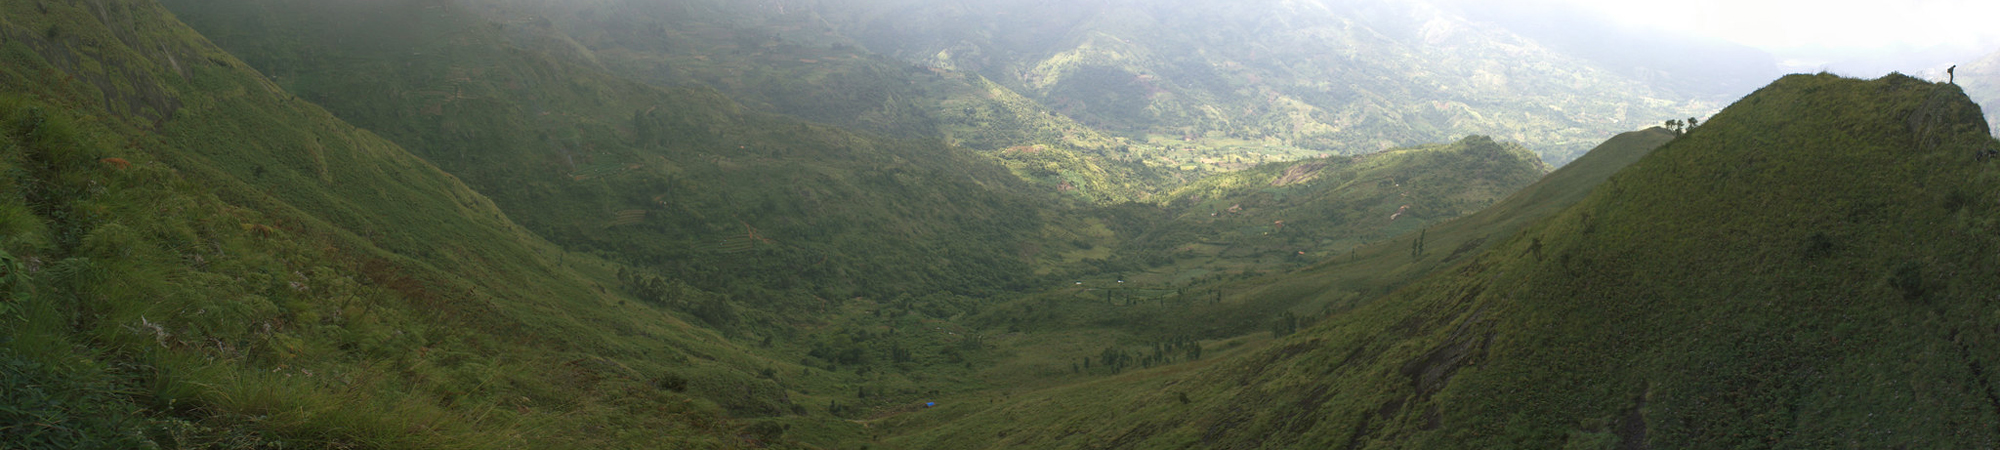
(1340,77)
(1120,82)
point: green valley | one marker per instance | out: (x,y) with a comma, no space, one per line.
(867,224)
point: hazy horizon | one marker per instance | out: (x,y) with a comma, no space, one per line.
(1917,37)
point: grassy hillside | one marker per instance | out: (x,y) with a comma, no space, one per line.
(778,214)
(1378,268)
(1799,272)
(195,258)
(1366,264)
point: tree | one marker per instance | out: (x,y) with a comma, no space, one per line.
(1692,122)
(1674,125)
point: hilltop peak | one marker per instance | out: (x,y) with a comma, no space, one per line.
(1930,114)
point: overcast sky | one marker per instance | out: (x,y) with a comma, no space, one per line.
(1846,34)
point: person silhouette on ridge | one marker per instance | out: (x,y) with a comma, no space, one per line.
(1951,78)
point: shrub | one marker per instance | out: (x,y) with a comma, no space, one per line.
(1909,278)
(672,382)
(1818,245)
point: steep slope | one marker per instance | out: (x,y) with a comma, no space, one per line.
(779,214)
(1149,299)
(196,258)
(1399,255)
(1379,268)
(1802,271)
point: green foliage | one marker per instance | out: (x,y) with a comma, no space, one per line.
(1908,278)
(1671,308)
(672,382)
(767,212)
(211,263)
(44,408)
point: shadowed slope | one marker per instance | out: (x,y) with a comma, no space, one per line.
(195,258)
(781,214)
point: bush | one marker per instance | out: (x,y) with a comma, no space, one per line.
(1909,278)
(1956,200)
(1818,245)
(671,382)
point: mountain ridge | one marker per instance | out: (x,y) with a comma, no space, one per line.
(1716,337)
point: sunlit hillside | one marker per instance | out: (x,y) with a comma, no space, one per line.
(1792,274)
